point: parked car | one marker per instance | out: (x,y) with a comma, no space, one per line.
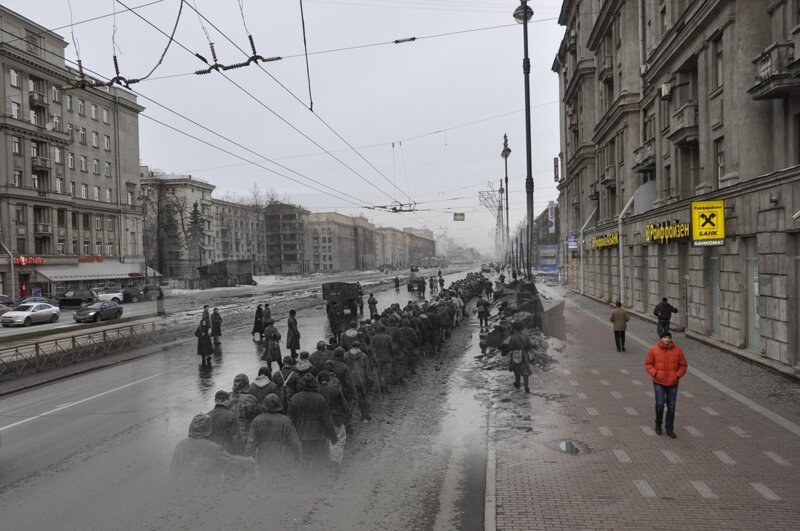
(8,301)
(4,308)
(34,300)
(28,314)
(98,311)
(113,295)
(141,293)
(77,297)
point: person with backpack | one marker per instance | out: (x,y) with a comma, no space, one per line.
(518,348)
(286,379)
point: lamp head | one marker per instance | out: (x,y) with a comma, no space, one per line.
(523,13)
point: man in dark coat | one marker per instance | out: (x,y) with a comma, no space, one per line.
(263,385)
(331,390)
(342,372)
(372,302)
(311,417)
(436,329)
(243,404)
(335,317)
(258,324)
(304,366)
(204,346)
(273,440)
(206,315)
(407,348)
(266,315)
(518,347)
(383,347)
(292,334)
(663,312)
(216,326)
(196,459)
(286,379)
(225,425)
(361,370)
(319,356)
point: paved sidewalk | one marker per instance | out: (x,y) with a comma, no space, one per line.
(734,464)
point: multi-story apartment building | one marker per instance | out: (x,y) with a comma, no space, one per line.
(366,252)
(288,239)
(420,244)
(680,120)
(68,199)
(403,248)
(341,243)
(239,233)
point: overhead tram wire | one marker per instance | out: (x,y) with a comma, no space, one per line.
(316,115)
(260,102)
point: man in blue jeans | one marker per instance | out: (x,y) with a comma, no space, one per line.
(663,311)
(667,365)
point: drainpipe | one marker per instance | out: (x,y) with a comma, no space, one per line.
(582,229)
(621,247)
(13,276)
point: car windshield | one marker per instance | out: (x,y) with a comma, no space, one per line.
(95,306)
(24,308)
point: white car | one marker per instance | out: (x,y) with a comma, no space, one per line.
(28,314)
(112,295)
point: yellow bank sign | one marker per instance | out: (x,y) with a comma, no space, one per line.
(666,231)
(606,240)
(708,223)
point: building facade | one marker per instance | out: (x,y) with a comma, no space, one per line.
(333,242)
(69,212)
(678,120)
(288,236)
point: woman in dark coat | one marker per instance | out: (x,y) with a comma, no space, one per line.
(216,326)
(258,325)
(293,335)
(204,347)
(272,349)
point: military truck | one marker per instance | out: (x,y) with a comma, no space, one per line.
(415,280)
(345,294)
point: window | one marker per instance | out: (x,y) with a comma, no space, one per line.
(74,246)
(109,222)
(82,136)
(16,145)
(57,123)
(56,94)
(17,178)
(71,131)
(74,220)
(21,247)
(107,142)
(105,116)
(719,157)
(98,222)
(33,117)
(61,217)
(34,149)
(98,248)
(86,246)
(72,188)
(130,198)
(94,111)
(16,110)
(96,194)
(110,249)
(96,167)
(81,106)
(35,181)
(107,169)
(57,154)
(84,163)
(718,65)
(60,185)
(95,139)
(108,195)
(87,222)
(84,191)
(14,77)
(71,160)
(69,102)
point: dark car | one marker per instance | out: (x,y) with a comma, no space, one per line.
(98,311)
(34,300)
(8,301)
(77,297)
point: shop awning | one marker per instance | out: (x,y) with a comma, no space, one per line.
(94,271)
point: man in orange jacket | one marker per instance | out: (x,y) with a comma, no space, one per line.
(667,365)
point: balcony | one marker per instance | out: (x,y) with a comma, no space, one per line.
(609,176)
(40,163)
(773,76)
(40,229)
(37,99)
(606,68)
(644,157)
(684,124)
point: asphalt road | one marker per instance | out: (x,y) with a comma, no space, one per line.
(91,451)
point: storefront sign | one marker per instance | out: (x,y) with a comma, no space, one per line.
(606,240)
(28,260)
(91,258)
(548,258)
(551,216)
(708,223)
(666,231)
(572,242)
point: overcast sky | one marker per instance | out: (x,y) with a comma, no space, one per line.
(444,101)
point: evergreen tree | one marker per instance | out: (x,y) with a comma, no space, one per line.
(196,233)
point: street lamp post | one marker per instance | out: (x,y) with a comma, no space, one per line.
(523,15)
(505,153)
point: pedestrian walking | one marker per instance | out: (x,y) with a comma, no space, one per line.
(312,419)
(320,356)
(666,364)
(360,298)
(286,379)
(304,366)
(396,283)
(273,440)
(293,334)
(216,326)
(263,385)
(197,459)
(204,347)
(331,389)
(361,370)
(483,313)
(663,313)
(518,347)
(335,318)
(372,302)
(272,348)
(266,315)
(620,318)
(441,283)
(258,324)
(243,404)
(225,425)
(206,315)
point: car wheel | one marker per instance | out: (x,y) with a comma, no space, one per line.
(27,322)
(98,317)
(6,326)
(118,316)
(134,299)
(54,318)
(115,300)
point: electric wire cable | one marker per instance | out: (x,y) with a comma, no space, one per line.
(305,48)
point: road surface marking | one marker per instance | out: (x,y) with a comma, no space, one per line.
(765,491)
(632,412)
(604,382)
(592,411)
(573,382)
(704,490)
(672,457)
(711,411)
(648,430)
(582,396)
(777,458)
(644,488)
(622,456)
(595,371)
(636,382)
(687,394)
(651,394)
(740,432)
(616,395)
(725,458)
(65,406)
(604,431)
(624,371)
(694,431)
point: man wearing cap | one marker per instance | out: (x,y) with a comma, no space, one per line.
(666,364)
(304,366)
(273,439)
(383,346)
(312,419)
(331,390)
(372,302)
(361,370)
(320,356)
(198,458)
(663,312)
(225,425)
